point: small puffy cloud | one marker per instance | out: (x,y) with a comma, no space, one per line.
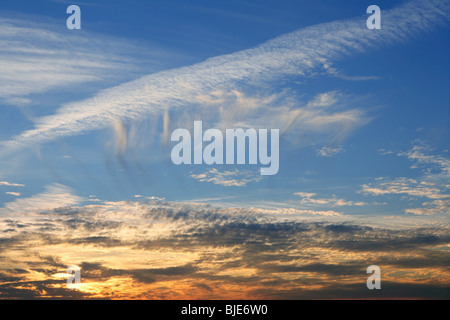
(384,152)
(305,194)
(10,184)
(233,178)
(405,186)
(420,154)
(17,194)
(431,207)
(308,199)
(329,151)
(156,198)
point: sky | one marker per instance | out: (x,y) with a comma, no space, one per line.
(87,179)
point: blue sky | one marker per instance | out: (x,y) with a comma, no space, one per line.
(384,97)
(86,115)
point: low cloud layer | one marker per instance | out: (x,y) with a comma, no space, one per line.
(166,250)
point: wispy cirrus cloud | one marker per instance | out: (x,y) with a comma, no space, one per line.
(54,196)
(295,54)
(327,117)
(37,57)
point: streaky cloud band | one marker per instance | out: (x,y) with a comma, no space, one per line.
(292,54)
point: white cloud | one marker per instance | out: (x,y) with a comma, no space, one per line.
(338,74)
(10,184)
(226,178)
(36,57)
(433,163)
(17,194)
(305,194)
(294,54)
(154,198)
(431,184)
(325,118)
(431,207)
(294,211)
(404,186)
(384,152)
(55,196)
(308,199)
(329,151)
